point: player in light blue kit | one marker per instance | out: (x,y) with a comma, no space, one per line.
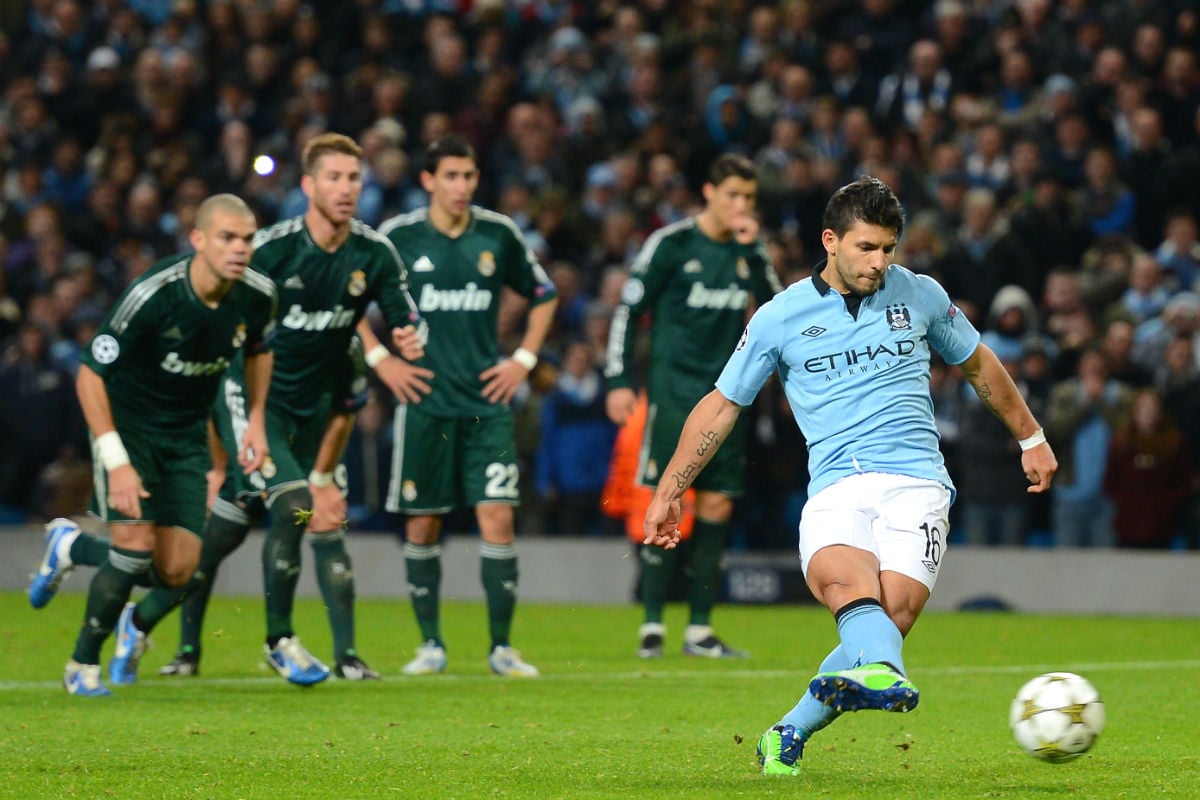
(852,346)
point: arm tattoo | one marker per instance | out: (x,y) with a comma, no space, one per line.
(711,440)
(683,478)
(985,394)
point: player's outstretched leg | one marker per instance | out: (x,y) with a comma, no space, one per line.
(56,563)
(876,680)
(296,664)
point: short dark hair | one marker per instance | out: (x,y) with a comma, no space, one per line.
(866,200)
(452,145)
(731,165)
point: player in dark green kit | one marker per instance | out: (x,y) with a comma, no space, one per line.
(146,383)
(455,449)
(327,267)
(240,504)
(699,278)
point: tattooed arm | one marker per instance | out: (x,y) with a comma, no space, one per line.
(996,389)
(705,430)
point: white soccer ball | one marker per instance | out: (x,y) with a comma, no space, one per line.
(1056,717)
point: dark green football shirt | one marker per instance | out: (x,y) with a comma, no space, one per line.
(161,350)
(322,296)
(457,284)
(698,290)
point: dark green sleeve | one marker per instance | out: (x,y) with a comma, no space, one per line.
(765,281)
(650,274)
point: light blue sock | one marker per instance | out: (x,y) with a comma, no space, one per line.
(810,714)
(868,634)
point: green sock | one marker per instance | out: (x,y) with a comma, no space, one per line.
(423,565)
(221,537)
(708,538)
(88,550)
(658,565)
(498,569)
(107,595)
(219,534)
(335,577)
(281,561)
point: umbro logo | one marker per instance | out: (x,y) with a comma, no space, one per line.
(293,282)
(173,333)
(813,331)
(693,266)
(423,264)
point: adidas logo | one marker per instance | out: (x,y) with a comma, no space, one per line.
(423,264)
(293,282)
(173,333)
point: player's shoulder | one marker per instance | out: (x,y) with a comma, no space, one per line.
(674,233)
(402,221)
(164,271)
(279,233)
(258,283)
(494,222)
(914,286)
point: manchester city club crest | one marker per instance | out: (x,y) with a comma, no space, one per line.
(358,283)
(898,317)
(239,336)
(743,269)
(487,264)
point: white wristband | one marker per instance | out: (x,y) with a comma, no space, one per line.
(111,451)
(525,358)
(320,479)
(375,355)
(1039,437)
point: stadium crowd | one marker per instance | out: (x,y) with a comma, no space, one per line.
(1047,154)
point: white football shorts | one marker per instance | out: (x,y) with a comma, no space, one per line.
(903,521)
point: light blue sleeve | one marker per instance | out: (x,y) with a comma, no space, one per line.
(755,357)
(951,334)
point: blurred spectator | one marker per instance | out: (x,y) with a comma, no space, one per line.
(1147,295)
(1179,252)
(39,415)
(995,506)
(576,438)
(1011,320)
(1082,414)
(1148,475)
(1180,318)
(925,85)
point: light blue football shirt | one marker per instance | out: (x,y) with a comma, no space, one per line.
(858,387)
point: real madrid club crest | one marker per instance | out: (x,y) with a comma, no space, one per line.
(239,335)
(487,264)
(268,468)
(743,269)
(898,317)
(409,491)
(358,283)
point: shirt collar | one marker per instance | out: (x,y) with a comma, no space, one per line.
(820,284)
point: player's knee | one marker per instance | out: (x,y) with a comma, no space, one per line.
(295,505)
(176,576)
(422,530)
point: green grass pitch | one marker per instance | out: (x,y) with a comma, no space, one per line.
(600,723)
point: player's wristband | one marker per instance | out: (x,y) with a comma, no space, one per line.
(375,355)
(320,479)
(111,451)
(1039,437)
(525,358)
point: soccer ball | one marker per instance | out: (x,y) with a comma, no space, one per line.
(1056,717)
